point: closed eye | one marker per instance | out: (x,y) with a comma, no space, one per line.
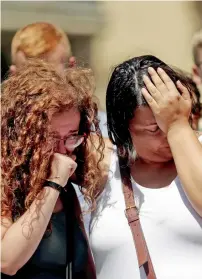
(154,130)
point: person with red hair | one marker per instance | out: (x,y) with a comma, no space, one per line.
(41,40)
(45,145)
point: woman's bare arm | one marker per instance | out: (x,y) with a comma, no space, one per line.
(172,111)
(19,240)
(187,154)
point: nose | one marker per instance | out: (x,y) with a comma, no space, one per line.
(61,148)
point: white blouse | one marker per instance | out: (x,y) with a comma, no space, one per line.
(172,228)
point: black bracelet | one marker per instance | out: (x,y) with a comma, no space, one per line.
(53,185)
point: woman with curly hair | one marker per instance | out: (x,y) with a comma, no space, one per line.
(46,141)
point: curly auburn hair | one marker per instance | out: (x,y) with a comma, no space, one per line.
(29,98)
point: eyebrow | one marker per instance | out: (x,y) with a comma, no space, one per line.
(70,132)
(73,131)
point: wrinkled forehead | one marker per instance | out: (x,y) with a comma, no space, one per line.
(66,122)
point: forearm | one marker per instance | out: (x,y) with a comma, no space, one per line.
(187,154)
(23,237)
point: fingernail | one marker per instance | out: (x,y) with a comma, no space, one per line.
(150,69)
(160,70)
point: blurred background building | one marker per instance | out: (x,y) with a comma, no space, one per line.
(104,33)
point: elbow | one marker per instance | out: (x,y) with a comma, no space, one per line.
(8,268)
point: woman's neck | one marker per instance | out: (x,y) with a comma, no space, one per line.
(151,164)
(152,174)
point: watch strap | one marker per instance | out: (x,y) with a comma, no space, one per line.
(53,185)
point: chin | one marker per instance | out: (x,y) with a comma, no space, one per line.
(157,158)
(160,157)
(164,157)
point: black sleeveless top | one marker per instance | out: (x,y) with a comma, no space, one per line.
(65,244)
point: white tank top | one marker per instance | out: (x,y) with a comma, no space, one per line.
(172,228)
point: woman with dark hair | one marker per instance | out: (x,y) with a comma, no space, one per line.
(148,219)
(46,143)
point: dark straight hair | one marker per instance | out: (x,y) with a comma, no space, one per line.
(124,95)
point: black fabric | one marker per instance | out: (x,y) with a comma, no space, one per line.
(53,185)
(56,265)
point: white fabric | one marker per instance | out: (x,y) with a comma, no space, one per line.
(102,116)
(173,232)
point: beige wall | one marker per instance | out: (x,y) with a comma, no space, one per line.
(163,29)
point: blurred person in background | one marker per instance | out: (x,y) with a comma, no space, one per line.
(197,56)
(197,68)
(44,40)
(196,108)
(41,40)
(46,138)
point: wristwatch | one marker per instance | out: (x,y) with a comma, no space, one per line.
(53,185)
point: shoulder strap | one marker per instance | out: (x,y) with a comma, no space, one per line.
(132,215)
(67,200)
(89,272)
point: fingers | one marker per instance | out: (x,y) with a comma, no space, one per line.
(157,80)
(152,89)
(166,79)
(73,157)
(183,90)
(150,100)
(72,169)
